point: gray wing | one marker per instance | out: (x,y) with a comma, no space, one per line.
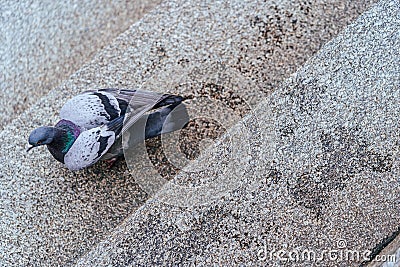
(141,103)
(164,120)
(138,103)
(94,108)
(138,99)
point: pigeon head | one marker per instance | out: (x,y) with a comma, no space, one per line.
(41,136)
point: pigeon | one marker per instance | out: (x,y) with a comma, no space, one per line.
(92,124)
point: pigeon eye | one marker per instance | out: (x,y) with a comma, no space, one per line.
(39,142)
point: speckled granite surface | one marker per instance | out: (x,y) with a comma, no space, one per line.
(50,216)
(44,42)
(321,172)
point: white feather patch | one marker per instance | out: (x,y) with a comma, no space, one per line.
(86,149)
(87,110)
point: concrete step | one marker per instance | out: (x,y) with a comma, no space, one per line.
(45,42)
(232,53)
(312,177)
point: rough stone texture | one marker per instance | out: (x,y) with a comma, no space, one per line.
(50,216)
(321,171)
(44,42)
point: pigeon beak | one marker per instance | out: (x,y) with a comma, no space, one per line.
(30,148)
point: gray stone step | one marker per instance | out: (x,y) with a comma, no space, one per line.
(314,177)
(44,42)
(232,53)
